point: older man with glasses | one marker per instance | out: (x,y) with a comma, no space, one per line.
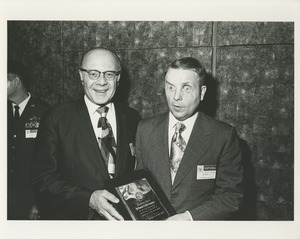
(85,143)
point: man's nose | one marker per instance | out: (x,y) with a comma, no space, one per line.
(101,80)
(177,95)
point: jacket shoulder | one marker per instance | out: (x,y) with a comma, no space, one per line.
(127,110)
(154,120)
(216,124)
(64,111)
(37,103)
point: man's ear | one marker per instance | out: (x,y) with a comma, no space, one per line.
(16,80)
(118,79)
(81,77)
(202,92)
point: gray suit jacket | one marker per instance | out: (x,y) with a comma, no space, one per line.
(212,143)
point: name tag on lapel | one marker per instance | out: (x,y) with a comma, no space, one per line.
(206,172)
(132,148)
(30,133)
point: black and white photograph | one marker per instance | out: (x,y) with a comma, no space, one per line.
(206,105)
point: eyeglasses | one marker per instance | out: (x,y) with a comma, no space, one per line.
(95,74)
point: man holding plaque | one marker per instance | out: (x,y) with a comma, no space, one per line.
(83,144)
(195,159)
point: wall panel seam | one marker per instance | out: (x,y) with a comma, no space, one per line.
(214,49)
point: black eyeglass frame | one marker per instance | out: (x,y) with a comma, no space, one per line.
(99,72)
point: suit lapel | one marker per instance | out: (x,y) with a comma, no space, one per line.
(160,151)
(28,108)
(10,118)
(86,132)
(26,113)
(10,115)
(122,136)
(197,146)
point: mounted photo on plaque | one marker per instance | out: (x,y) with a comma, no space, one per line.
(140,197)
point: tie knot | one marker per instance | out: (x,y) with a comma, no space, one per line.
(16,107)
(179,127)
(103,111)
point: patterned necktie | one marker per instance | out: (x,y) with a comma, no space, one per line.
(17,113)
(106,140)
(178,146)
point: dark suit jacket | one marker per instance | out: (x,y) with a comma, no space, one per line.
(20,149)
(68,165)
(212,143)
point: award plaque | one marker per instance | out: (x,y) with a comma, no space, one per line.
(140,197)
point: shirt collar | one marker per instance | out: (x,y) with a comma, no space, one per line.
(92,107)
(188,122)
(23,104)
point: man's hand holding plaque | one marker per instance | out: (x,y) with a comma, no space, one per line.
(101,201)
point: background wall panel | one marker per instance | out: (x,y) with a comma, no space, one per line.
(249,33)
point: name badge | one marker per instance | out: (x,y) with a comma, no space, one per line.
(132,148)
(30,133)
(206,172)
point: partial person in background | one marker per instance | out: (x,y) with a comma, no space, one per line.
(23,118)
(195,159)
(85,143)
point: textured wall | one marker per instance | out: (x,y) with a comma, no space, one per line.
(252,88)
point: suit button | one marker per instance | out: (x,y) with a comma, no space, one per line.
(13,158)
(13,147)
(15,136)
(174,195)
(12,170)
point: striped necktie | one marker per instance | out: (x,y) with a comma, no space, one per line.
(106,141)
(178,146)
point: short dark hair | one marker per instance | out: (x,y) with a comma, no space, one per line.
(18,68)
(190,63)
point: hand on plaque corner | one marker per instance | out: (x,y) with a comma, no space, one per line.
(34,212)
(101,201)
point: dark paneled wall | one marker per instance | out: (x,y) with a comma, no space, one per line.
(252,84)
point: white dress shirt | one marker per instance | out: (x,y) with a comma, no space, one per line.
(94,116)
(189,124)
(22,105)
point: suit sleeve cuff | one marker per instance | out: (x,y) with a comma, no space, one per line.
(190,215)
